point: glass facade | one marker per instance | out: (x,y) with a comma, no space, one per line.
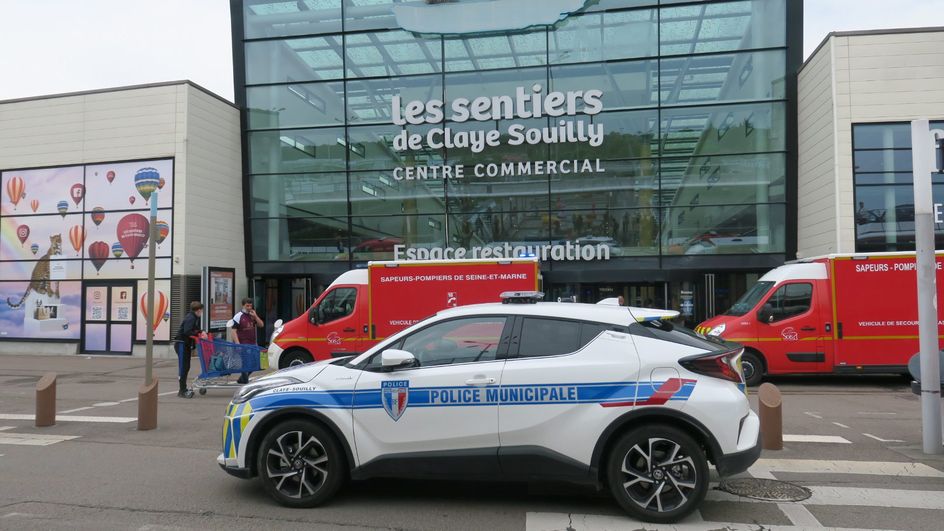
(884,190)
(694,157)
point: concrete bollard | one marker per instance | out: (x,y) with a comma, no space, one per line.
(46,400)
(770,405)
(147,406)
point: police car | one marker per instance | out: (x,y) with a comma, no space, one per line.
(604,395)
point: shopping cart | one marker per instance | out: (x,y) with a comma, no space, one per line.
(219,359)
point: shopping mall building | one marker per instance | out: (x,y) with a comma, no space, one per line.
(641,148)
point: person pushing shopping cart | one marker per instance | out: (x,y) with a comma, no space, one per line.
(243,325)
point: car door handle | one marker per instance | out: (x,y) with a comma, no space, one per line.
(349,329)
(808,329)
(480,380)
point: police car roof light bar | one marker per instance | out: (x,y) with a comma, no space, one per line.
(521,297)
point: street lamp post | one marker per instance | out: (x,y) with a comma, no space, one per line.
(924,163)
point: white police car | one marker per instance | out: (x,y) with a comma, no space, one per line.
(605,395)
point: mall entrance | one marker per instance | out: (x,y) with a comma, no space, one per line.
(697,297)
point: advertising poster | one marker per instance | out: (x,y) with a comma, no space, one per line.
(221,283)
(160,319)
(60,226)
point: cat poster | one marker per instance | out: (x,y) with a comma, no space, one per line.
(40,309)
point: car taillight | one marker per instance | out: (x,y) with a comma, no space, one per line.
(724,365)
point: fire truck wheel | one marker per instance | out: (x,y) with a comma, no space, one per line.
(295,357)
(753,368)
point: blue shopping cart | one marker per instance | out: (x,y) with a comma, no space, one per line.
(220,359)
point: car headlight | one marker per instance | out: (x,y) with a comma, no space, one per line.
(717,331)
(252,389)
(276,333)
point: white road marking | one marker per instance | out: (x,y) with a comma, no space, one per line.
(34,439)
(816,466)
(69,418)
(76,410)
(812,414)
(875,413)
(799,515)
(589,522)
(855,496)
(2,428)
(841,425)
(816,439)
(105,404)
(879,439)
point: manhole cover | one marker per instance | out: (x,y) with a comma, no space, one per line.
(765,489)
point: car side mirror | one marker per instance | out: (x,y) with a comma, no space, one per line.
(766,314)
(393,358)
(313,316)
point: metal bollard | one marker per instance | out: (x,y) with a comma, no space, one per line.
(770,405)
(46,400)
(147,406)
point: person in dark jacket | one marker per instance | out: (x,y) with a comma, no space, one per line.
(189,328)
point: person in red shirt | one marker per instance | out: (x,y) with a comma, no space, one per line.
(244,325)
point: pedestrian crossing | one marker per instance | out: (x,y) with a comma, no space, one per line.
(923,490)
(31,439)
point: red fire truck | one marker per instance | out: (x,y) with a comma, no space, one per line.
(364,306)
(854,313)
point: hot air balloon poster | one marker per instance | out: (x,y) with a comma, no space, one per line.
(132,180)
(24,192)
(18,234)
(155,320)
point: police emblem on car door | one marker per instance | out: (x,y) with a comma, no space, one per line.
(395,395)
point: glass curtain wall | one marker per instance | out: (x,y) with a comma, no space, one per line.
(694,115)
(884,187)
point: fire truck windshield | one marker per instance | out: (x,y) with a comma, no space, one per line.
(750,299)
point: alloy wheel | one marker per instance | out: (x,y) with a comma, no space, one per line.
(658,477)
(297,464)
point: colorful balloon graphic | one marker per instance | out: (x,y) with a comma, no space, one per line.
(160,184)
(132,233)
(146,180)
(163,229)
(16,189)
(62,207)
(116,250)
(98,215)
(110,176)
(77,237)
(77,192)
(131,199)
(34,248)
(34,204)
(166,316)
(160,307)
(22,232)
(98,252)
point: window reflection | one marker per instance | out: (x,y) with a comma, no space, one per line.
(297,150)
(732,229)
(294,60)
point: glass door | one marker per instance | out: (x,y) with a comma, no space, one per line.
(108,318)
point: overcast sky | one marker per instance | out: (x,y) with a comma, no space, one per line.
(54,46)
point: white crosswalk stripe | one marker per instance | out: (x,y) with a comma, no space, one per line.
(33,439)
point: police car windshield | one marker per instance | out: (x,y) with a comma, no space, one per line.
(750,299)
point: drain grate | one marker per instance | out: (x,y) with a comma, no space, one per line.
(765,489)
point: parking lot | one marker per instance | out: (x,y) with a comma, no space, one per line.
(854,441)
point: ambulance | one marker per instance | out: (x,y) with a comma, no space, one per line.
(364,306)
(841,313)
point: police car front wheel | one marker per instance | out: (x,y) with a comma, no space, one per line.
(658,473)
(300,464)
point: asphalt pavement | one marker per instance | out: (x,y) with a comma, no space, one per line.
(854,441)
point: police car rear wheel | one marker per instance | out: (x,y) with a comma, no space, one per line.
(658,473)
(300,464)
